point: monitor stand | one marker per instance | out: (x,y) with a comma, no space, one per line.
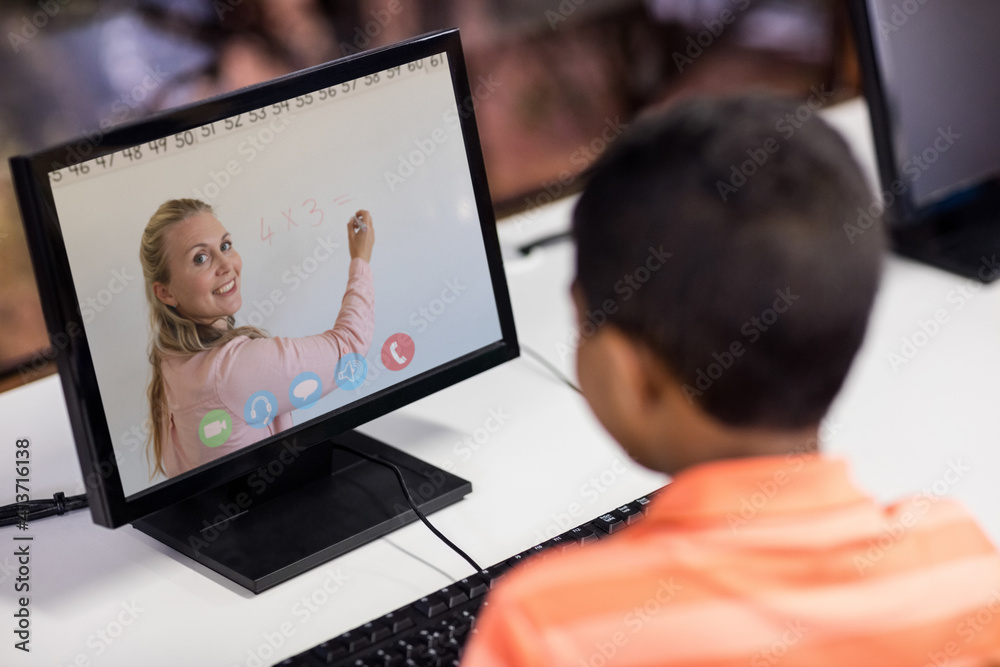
(265,528)
(965,241)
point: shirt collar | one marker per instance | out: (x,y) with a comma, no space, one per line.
(770,485)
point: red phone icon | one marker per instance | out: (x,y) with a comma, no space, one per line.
(397,352)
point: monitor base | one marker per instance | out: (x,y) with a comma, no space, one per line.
(303,509)
(967,245)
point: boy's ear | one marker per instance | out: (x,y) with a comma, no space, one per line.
(163,293)
(640,376)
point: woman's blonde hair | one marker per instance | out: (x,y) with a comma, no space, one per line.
(171,332)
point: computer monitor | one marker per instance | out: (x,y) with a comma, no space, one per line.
(285,166)
(932,79)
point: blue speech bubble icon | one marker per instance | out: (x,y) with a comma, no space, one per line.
(305,390)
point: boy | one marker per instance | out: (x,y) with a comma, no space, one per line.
(717,371)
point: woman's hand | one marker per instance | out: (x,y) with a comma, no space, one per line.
(361,236)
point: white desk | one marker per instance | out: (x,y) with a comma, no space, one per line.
(903,431)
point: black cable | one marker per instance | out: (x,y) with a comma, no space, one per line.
(551,367)
(409,499)
(551,239)
(40,509)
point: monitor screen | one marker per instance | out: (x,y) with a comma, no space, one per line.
(285,167)
(939,69)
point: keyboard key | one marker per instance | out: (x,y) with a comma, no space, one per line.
(643,504)
(517,559)
(561,543)
(474,586)
(354,641)
(433,658)
(628,513)
(411,650)
(465,623)
(426,638)
(398,622)
(330,652)
(430,606)
(609,523)
(453,596)
(387,658)
(582,535)
(495,573)
(376,631)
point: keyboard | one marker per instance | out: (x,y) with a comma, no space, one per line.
(433,630)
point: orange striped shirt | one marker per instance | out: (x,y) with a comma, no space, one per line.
(758,562)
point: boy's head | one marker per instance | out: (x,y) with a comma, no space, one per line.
(725,300)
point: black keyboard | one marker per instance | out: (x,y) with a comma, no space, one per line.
(433,630)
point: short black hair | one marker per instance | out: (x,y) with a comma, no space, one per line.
(764,299)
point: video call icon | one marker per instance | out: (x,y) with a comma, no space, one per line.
(397,351)
(215,428)
(305,390)
(260,409)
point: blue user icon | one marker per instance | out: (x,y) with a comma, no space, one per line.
(260,409)
(352,369)
(305,390)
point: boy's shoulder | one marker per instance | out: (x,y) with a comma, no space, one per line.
(857,571)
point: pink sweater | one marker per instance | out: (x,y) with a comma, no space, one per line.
(224,378)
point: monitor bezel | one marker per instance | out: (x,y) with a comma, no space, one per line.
(109,505)
(904,213)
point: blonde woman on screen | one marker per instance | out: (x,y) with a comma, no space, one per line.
(216,387)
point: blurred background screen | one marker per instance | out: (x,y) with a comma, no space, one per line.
(554,82)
